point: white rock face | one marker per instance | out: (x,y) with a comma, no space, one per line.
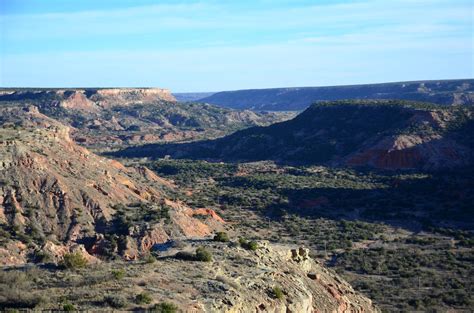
(306,285)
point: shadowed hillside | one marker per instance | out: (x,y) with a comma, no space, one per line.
(380,134)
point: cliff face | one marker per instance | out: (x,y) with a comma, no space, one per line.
(424,144)
(107,98)
(58,196)
(409,152)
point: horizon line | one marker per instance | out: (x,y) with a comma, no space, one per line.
(244,89)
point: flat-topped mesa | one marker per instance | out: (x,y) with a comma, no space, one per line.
(135,94)
(142,91)
(88,99)
(94,99)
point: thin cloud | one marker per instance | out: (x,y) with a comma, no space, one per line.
(212,45)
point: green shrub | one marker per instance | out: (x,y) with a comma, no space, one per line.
(221,237)
(185,256)
(248,245)
(69,307)
(42,257)
(149,259)
(118,274)
(253,245)
(278,293)
(143,298)
(73,261)
(116,302)
(164,307)
(203,255)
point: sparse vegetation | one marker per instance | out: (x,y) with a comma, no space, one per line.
(41,257)
(278,293)
(316,205)
(185,256)
(118,274)
(149,259)
(143,298)
(203,255)
(116,302)
(68,307)
(74,260)
(16,291)
(221,237)
(249,245)
(164,307)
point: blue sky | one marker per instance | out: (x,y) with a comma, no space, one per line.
(226,45)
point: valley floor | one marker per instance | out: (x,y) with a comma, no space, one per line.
(398,256)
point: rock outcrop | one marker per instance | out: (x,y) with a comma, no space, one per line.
(95,99)
(410,152)
(306,286)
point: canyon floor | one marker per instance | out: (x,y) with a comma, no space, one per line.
(391,235)
(379,211)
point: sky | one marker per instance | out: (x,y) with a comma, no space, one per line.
(190,46)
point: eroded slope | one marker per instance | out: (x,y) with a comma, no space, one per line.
(58,196)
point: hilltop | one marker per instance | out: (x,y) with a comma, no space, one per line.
(445,92)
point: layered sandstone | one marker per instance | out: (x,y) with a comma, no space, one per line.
(94,99)
(411,152)
(88,99)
